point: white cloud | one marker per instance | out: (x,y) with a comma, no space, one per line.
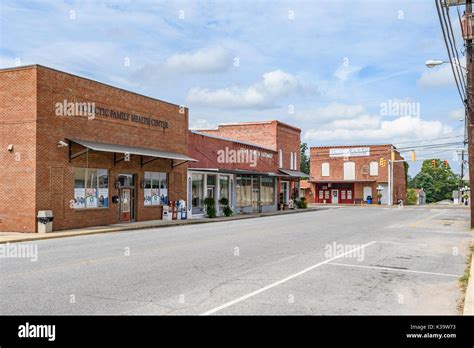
(436,77)
(203,61)
(405,127)
(201,123)
(332,111)
(345,71)
(263,94)
(360,122)
(457,114)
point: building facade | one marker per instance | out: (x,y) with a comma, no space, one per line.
(268,183)
(242,172)
(355,174)
(91,153)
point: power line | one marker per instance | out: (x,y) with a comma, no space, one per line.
(449,52)
(454,49)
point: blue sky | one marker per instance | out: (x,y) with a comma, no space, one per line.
(327,67)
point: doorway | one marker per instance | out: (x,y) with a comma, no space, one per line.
(127,206)
(334,196)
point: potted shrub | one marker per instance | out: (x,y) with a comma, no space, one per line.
(227,210)
(379,196)
(210,207)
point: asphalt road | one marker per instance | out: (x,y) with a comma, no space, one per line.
(402,261)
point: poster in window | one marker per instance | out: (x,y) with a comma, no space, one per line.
(155,196)
(103,197)
(79,198)
(147,197)
(163,196)
(91,198)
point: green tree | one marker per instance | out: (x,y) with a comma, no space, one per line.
(304,162)
(438,182)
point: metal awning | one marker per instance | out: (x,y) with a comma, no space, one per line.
(294,173)
(234,171)
(128,150)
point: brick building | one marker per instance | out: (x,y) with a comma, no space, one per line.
(242,172)
(349,174)
(92,153)
(280,144)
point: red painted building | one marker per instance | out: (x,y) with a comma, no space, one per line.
(351,174)
(278,167)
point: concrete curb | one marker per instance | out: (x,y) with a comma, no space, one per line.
(469,299)
(96,230)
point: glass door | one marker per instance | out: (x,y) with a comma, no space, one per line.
(125,205)
(256,194)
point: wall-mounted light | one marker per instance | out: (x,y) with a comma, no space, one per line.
(10,148)
(143,184)
(117,184)
(62,143)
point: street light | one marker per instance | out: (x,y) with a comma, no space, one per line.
(434,62)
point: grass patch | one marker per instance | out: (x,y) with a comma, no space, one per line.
(464,279)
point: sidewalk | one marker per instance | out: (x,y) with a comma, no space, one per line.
(469,299)
(12,237)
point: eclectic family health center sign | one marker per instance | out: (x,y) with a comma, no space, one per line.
(350,152)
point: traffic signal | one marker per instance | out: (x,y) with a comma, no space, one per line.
(446,164)
(413,156)
(433,163)
(382,162)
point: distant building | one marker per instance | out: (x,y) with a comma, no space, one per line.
(352,174)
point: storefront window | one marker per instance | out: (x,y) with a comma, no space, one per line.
(198,193)
(211,185)
(223,186)
(156,188)
(91,188)
(244,191)
(267,191)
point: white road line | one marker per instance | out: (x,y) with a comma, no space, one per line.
(401,243)
(242,298)
(395,269)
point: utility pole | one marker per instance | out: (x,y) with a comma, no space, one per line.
(469,101)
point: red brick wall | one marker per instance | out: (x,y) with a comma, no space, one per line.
(271,134)
(288,140)
(17,168)
(319,155)
(261,133)
(54,173)
(206,150)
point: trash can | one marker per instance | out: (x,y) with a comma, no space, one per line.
(45,221)
(369,199)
